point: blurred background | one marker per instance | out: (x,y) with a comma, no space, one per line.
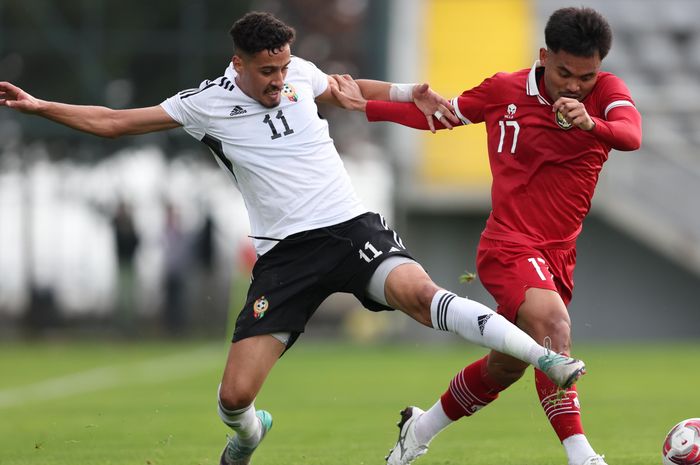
(145,237)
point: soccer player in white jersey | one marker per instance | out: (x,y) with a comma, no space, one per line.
(312,234)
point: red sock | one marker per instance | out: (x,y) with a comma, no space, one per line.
(562,409)
(471,390)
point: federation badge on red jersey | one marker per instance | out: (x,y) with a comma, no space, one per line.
(260,307)
(510,111)
(562,122)
(289,92)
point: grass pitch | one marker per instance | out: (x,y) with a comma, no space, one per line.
(154,404)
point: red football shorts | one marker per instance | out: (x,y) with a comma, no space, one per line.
(507,270)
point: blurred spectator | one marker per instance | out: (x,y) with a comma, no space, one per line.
(208,305)
(43,312)
(205,244)
(127,241)
(178,250)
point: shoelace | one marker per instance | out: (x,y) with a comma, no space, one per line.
(550,358)
(548,344)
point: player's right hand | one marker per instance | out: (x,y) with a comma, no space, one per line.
(433,105)
(12,96)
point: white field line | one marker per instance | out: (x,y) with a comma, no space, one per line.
(153,371)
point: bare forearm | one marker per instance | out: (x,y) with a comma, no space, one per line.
(355,92)
(106,122)
(101,121)
(374,90)
(96,120)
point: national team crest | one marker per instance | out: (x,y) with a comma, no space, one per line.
(510,111)
(289,92)
(562,122)
(260,307)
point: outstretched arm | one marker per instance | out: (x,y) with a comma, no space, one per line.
(354,94)
(100,121)
(406,114)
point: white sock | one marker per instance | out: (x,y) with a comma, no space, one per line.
(479,324)
(431,423)
(577,449)
(244,422)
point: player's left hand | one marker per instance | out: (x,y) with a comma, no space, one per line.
(574,112)
(433,105)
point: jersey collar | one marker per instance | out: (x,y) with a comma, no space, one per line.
(531,85)
(231,74)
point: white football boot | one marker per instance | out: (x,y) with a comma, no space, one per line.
(407,448)
(562,370)
(236,454)
(595,460)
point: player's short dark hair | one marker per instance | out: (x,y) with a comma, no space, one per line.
(578,31)
(257,31)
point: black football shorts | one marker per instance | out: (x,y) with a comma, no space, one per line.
(291,280)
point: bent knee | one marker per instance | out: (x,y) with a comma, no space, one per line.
(236,398)
(543,315)
(421,300)
(557,331)
(412,292)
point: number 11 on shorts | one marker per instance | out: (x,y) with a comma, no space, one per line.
(370,248)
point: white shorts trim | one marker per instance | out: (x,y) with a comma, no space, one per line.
(375,287)
(282,337)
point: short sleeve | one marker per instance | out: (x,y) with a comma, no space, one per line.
(470,105)
(319,79)
(189,108)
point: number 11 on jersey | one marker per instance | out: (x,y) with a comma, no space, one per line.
(275,133)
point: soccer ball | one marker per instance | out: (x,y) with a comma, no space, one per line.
(682,444)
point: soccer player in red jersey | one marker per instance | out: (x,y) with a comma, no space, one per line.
(550,129)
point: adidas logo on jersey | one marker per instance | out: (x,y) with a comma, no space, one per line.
(237,110)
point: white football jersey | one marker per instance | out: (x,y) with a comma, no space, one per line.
(282,159)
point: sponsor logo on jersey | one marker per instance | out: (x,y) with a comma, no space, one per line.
(510,111)
(238,110)
(289,92)
(260,307)
(562,122)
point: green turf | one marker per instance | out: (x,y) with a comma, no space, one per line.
(154,404)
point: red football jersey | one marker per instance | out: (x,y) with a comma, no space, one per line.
(544,170)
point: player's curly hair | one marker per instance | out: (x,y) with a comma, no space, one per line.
(257,31)
(578,31)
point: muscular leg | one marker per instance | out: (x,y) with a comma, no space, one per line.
(249,362)
(542,315)
(409,288)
